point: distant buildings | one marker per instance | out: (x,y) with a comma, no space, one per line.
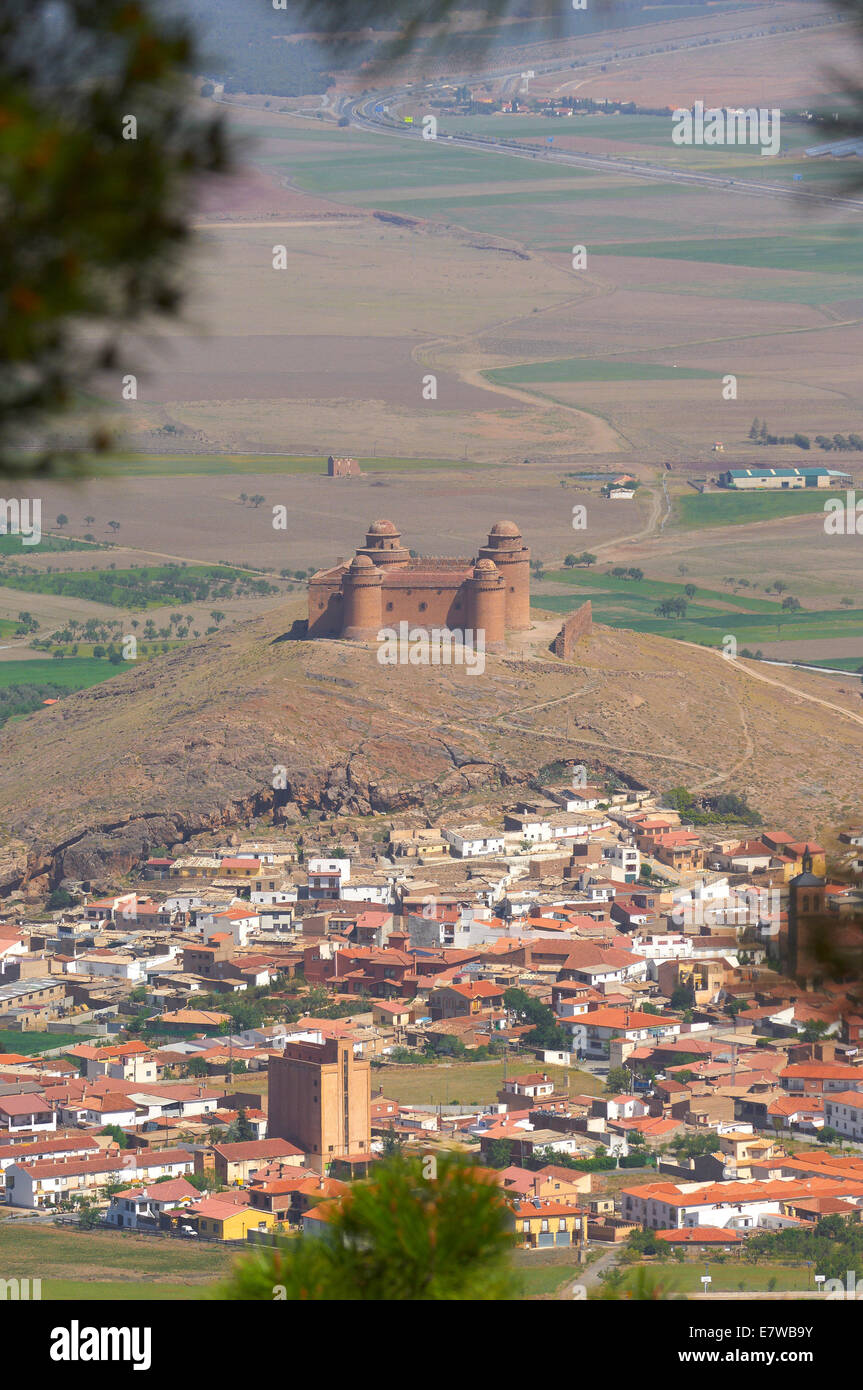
(777,479)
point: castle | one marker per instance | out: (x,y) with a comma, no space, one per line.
(384,585)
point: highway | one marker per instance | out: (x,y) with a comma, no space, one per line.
(363,116)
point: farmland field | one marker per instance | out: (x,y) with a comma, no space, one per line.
(463,1083)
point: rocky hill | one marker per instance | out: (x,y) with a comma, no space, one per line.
(191,741)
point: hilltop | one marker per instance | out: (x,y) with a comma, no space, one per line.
(189,741)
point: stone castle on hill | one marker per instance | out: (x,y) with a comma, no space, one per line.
(384,585)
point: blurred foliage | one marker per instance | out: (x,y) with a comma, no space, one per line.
(399,1236)
(92,223)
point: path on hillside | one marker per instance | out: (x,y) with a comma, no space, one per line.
(782,685)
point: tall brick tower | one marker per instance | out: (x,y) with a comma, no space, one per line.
(512,557)
(362,603)
(487,605)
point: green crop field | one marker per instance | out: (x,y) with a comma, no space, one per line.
(741,509)
(710,614)
(36,1044)
(13,545)
(634,590)
(73,672)
(834,250)
(168,465)
(592,369)
(386,163)
(145,587)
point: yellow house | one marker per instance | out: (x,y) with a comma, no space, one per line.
(740,1151)
(539,1224)
(217,1220)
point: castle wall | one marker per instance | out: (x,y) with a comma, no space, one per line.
(326,608)
(578,624)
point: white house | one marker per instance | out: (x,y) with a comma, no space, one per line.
(140,1209)
(843,1111)
(622,863)
(19,1114)
(327,877)
(474,841)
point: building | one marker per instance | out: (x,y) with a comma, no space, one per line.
(384,585)
(343,468)
(775,479)
(320,1100)
(239,1163)
(808,935)
(45,1183)
(541,1223)
(140,1209)
(215,1219)
(843,1111)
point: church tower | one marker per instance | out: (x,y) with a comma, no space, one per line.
(806,908)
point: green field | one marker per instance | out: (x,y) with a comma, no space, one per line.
(35,1044)
(710,615)
(167,465)
(466,1083)
(735,1275)
(73,672)
(144,587)
(740,509)
(13,545)
(73,1262)
(830,250)
(592,369)
(120,1291)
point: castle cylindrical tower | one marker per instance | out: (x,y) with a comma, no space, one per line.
(487,606)
(512,558)
(384,546)
(362,587)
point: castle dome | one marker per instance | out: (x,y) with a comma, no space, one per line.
(505,528)
(361,562)
(483,567)
(382,528)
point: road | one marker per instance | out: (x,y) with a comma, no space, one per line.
(362,114)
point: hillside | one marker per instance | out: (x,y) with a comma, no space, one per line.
(190,741)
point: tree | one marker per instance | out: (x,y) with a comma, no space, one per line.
(570,560)
(241,1130)
(391,1143)
(546,1032)
(68,77)
(618,1080)
(60,899)
(62,519)
(499,1153)
(120,1137)
(790,605)
(400,1237)
(689,590)
(828,1135)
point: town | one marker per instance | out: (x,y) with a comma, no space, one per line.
(222,1049)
